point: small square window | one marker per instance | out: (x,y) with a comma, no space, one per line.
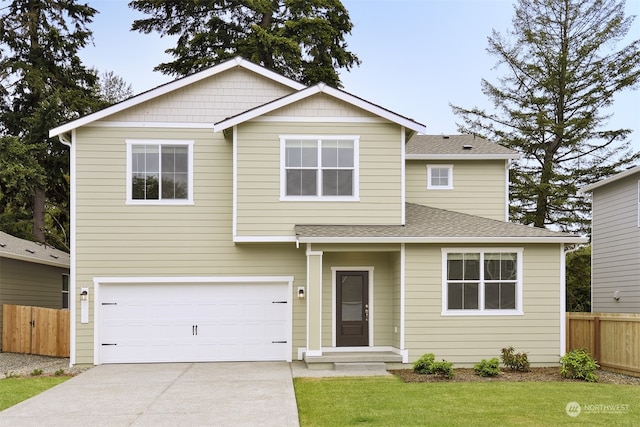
(440,177)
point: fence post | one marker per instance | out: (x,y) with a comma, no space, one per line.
(596,331)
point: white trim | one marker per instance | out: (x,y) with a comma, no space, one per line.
(431,186)
(310,253)
(361,349)
(370,290)
(403,292)
(313,90)
(73,212)
(234,178)
(424,239)
(591,187)
(264,239)
(174,85)
(160,142)
(98,281)
(506,190)
(463,156)
(403,178)
(638,204)
(481,311)
(161,125)
(563,302)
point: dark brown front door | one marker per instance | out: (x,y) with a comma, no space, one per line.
(352,305)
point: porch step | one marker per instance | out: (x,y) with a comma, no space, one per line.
(361,358)
(357,367)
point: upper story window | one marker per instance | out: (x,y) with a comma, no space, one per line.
(482,282)
(319,168)
(439,177)
(159,172)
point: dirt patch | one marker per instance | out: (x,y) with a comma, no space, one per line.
(534,375)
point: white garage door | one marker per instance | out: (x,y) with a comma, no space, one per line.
(193,322)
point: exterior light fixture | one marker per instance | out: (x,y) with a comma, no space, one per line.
(300,292)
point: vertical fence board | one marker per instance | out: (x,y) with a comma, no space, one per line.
(16,328)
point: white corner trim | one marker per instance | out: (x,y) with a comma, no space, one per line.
(563,302)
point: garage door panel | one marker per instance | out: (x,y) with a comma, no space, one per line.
(193,322)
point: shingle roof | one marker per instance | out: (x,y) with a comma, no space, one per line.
(430,146)
(431,225)
(25,250)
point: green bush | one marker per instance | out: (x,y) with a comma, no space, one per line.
(443,368)
(36,372)
(578,364)
(423,365)
(515,361)
(487,368)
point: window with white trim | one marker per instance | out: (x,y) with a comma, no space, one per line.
(159,172)
(65,291)
(319,168)
(482,281)
(439,177)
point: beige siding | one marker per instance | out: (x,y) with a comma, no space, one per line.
(260,211)
(321,105)
(27,283)
(616,246)
(465,340)
(116,239)
(207,101)
(381,300)
(479,187)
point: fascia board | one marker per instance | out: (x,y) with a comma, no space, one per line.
(52,263)
(479,240)
(463,156)
(591,187)
(174,85)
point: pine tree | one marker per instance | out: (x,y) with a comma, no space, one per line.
(301,39)
(551,105)
(43,85)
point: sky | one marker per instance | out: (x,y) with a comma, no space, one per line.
(418,56)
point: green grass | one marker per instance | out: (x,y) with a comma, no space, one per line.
(15,390)
(390,402)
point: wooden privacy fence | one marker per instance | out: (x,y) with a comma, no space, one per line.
(613,339)
(35,330)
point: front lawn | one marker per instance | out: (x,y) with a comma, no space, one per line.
(390,402)
(15,390)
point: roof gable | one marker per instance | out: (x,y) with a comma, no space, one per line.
(320,88)
(172,86)
(631,171)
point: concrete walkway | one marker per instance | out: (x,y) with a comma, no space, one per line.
(168,394)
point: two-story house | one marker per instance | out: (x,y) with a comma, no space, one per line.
(235,214)
(615,243)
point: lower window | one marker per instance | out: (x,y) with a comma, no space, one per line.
(482,281)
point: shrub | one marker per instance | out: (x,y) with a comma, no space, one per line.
(443,368)
(36,372)
(487,368)
(423,365)
(515,361)
(578,364)
(59,372)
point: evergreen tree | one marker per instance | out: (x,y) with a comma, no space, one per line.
(578,275)
(113,88)
(44,84)
(562,73)
(301,39)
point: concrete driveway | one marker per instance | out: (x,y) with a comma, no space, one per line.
(168,394)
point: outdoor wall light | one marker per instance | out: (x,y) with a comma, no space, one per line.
(300,292)
(84,305)
(616,295)
(84,295)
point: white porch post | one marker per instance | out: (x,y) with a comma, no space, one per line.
(314,302)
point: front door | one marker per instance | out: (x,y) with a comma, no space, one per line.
(352,306)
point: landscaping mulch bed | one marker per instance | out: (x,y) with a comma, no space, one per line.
(506,375)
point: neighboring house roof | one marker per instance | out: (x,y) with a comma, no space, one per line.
(431,147)
(25,250)
(591,187)
(431,225)
(174,85)
(313,90)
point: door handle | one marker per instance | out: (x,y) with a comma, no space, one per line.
(366,312)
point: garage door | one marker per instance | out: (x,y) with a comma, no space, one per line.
(140,323)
